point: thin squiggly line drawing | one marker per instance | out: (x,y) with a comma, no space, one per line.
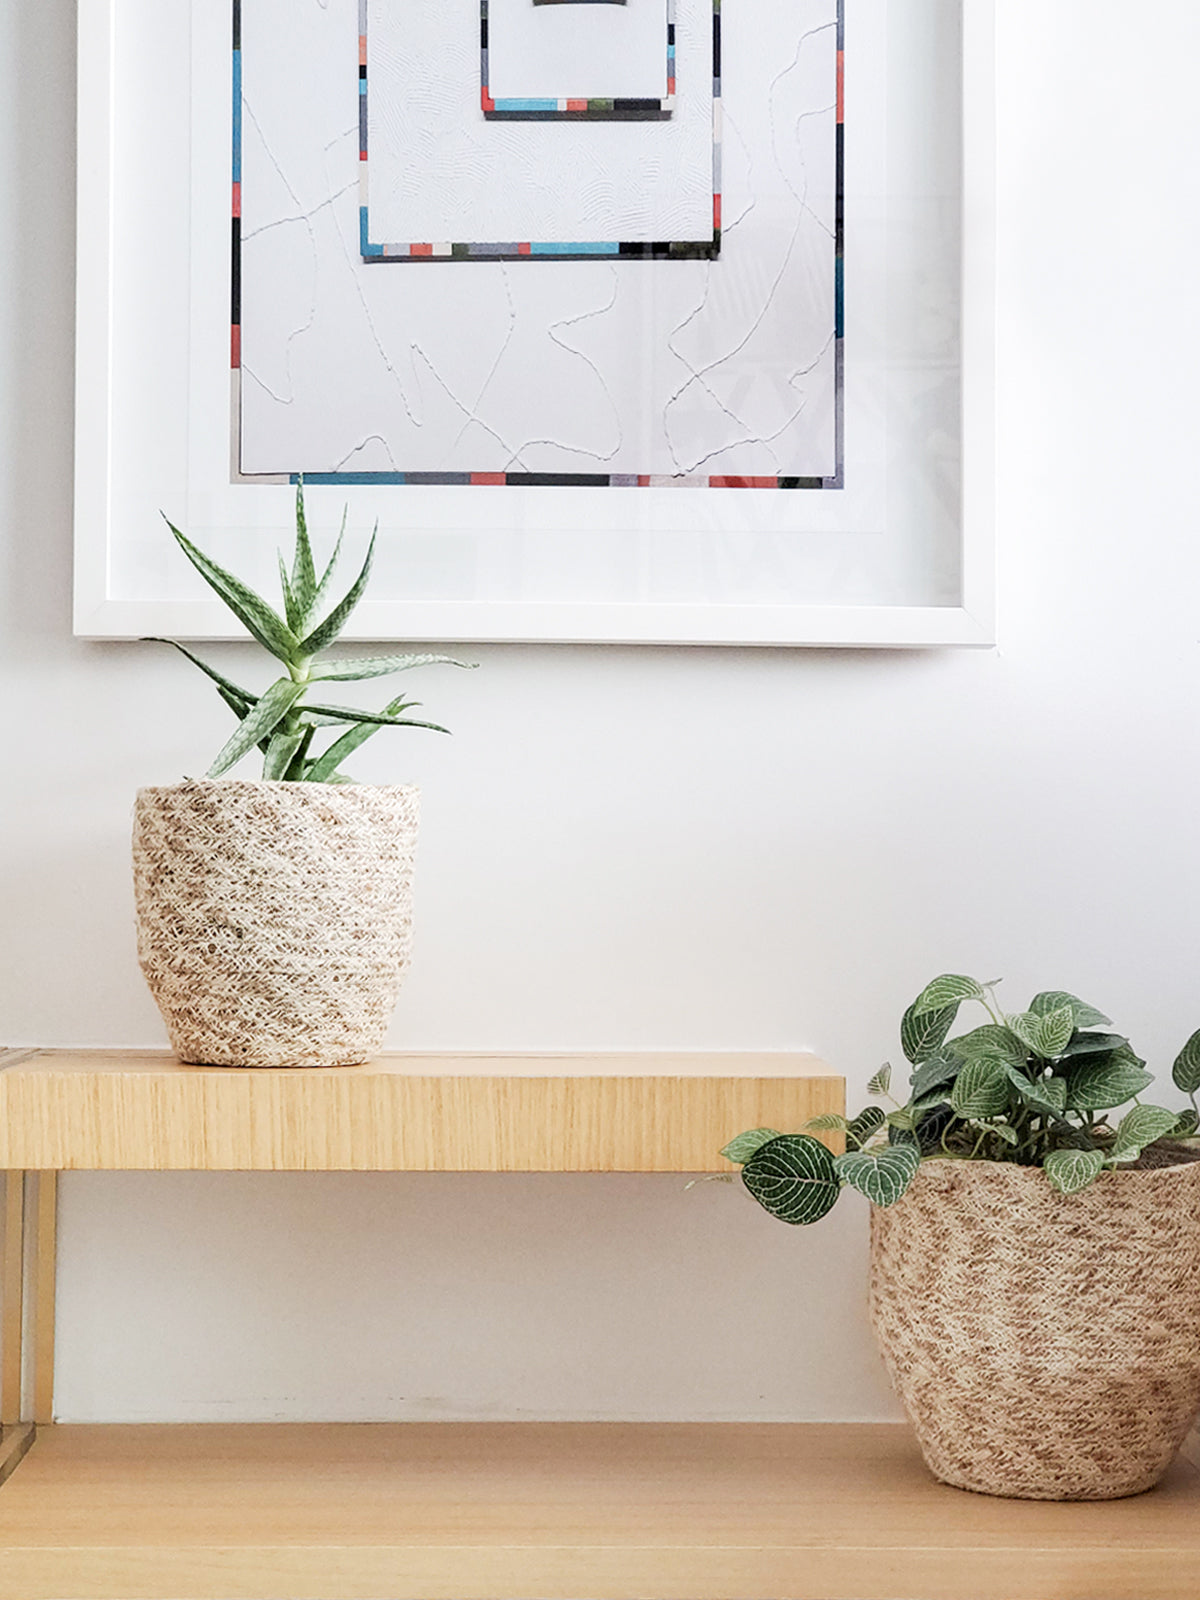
(552,333)
(371,438)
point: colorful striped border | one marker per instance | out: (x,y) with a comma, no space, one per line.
(553,250)
(574,110)
(562,480)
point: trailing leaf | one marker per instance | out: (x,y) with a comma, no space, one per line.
(946,991)
(794,1178)
(981,1088)
(1186,1071)
(921,1036)
(744,1146)
(1069,1171)
(884,1176)
(1055,999)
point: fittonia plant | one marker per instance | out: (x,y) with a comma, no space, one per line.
(282,721)
(1041,1088)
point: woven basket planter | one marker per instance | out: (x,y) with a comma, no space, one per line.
(1044,1347)
(274,919)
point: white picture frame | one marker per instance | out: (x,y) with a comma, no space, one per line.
(142,401)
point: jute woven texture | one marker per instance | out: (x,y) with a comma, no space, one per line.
(274,919)
(1045,1347)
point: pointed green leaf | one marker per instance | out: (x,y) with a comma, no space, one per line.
(299,762)
(378,719)
(327,575)
(1054,999)
(280,750)
(881,1082)
(1045,1036)
(295,617)
(326,632)
(921,1036)
(1187,1125)
(304,577)
(1186,1071)
(1069,1171)
(793,1177)
(865,1124)
(883,1175)
(946,991)
(240,710)
(990,1040)
(981,1088)
(263,718)
(355,670)
(255,615)
(1100,1086)
(1138,1128)
(233,690)
(1006,1135)
(744,1146)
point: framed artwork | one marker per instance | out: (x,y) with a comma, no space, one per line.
(625,320)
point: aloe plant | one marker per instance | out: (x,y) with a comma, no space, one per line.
(1040,1088)
(282,722)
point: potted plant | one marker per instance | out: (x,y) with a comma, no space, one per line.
(1035,1248)
(275,917)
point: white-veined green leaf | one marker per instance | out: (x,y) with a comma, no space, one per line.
(990,1040)
(865,1124)
(1099,1044)
(883,1175)
(1054,999)
(935,1073)
(1099,1086)
(921,1036)
(1004,1133)
(1045,1036)
(1048,1095)
(1187,1125)
(981,1088)
(793,1177)
(882,1081)
(1138,1128)
(744,1146)
(1069,1171)
(945,991)
(255,615)
(262,719)
(827,1122)
(1186,1071)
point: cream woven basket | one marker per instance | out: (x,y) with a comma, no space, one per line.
(274,919)
(1045,1347)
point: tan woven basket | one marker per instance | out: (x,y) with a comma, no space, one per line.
(274,919)
(1045,1347)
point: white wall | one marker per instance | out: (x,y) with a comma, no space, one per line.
(651,848)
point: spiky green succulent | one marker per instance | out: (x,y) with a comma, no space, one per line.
(281,721)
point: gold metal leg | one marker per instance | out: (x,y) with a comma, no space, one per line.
(12,1286)
(45,1272)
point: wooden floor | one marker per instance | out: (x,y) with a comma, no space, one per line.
(602,1511)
